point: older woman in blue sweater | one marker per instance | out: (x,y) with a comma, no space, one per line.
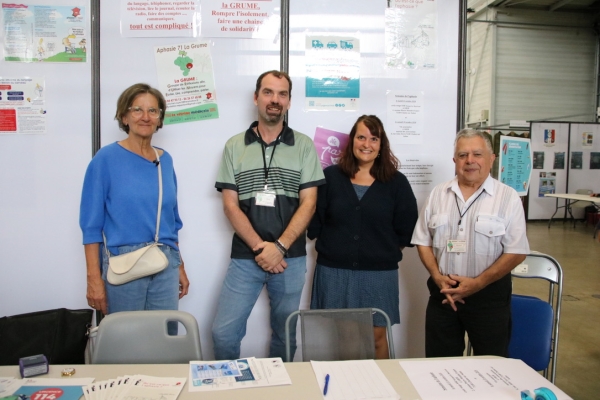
(365,216)
(120,199)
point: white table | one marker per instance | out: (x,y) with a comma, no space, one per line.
(570,199)
(304,384)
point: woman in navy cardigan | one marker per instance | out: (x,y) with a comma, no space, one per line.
(365,216)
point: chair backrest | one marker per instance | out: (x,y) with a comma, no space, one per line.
(141,337)
(532,323)
(337,334)
(534,336)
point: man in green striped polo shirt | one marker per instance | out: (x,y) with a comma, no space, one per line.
(268,178)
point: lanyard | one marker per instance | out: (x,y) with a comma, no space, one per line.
(463,214)
(265,167)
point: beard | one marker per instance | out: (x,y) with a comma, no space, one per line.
(272,117)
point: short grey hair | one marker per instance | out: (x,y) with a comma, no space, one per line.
(470,133)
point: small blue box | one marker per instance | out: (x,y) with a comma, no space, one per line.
(33,365)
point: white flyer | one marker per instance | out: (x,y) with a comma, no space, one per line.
(242,19)
(8,386)
(405,117)
(255,372)
(411,34)
(475,378)
(152,388)
(167,18)
(22,105)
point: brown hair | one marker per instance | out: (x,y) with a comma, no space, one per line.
(127,98)
(276,74)
(386,164)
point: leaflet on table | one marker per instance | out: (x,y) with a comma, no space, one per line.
(253,372)
(8,386)
(46,388)
(475,378)
(135,386)
(353,380)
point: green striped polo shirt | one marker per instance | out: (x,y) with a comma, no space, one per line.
(294,166)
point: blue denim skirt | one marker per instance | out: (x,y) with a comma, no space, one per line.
(345,288)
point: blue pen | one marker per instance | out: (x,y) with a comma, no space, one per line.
(326,385)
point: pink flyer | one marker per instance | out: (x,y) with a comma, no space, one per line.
(329,145)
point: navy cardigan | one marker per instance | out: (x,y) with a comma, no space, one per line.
(365,234)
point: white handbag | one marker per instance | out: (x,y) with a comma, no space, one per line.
(148,260)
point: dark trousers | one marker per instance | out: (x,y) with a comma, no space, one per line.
(485,317)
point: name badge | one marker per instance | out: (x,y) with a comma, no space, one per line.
(265,198)
(456,246)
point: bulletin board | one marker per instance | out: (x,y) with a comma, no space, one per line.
(46,171)
(41,174)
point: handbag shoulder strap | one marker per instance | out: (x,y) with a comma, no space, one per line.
(160,195)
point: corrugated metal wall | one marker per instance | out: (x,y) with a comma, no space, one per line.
(480,56)
(529,71)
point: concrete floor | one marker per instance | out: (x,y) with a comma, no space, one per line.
(578,369)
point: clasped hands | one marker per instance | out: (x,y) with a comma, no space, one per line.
(269,258)
(456,288)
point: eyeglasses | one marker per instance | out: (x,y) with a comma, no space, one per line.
(138,112)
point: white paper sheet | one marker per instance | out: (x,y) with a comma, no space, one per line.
(353,380)
(475,378)
(8,386)
(152,388)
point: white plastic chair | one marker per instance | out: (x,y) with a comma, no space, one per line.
(141,337)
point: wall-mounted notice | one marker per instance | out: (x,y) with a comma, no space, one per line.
(411,34)
(577,160)
(332,73)
(559,160)
(22,108)
(418,169)
(165,18)
(44,33)
(258,19)
(329,145)
(595,160)
(587,139)
(405,117)
(547,184)
(515,163)
(538,160)
(185,77)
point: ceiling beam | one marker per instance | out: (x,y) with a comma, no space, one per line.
(508,3)
(559,4)
(498,3)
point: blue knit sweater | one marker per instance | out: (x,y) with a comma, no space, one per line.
(120,197)
(363,234)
